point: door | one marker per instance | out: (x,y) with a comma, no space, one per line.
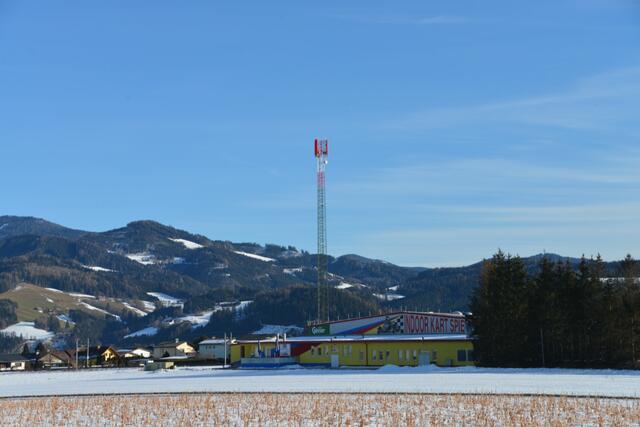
(335,361)
(423,358)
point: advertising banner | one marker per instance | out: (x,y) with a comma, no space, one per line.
(415,323)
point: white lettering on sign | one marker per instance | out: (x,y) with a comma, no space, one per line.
(428,324)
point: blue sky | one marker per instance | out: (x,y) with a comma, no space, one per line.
(456,128)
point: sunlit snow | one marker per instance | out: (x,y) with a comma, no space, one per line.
(254,256)
(187,243)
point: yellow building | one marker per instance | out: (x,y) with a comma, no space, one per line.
(380,340)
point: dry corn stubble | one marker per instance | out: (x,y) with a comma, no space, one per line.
(318,410)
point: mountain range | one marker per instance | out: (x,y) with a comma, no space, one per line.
(168,282)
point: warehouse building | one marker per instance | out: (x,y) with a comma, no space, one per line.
(402,338)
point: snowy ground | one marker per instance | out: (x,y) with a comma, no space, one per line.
(604,383)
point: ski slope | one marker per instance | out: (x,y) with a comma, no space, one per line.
(604,383)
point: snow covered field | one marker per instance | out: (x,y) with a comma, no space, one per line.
(603,383)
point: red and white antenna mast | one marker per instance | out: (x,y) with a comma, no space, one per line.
(322,154)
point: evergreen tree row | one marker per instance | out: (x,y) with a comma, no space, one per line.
(561,316)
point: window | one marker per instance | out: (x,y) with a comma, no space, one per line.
(326,349)
(373,355)
(471,357)
(319,351)
(361,355)
(462,356)
(388,354)
(400,355)
(406,354)
(345,350)
(415,355)
(334,350)
(350,349)
(381,355)
(313,351)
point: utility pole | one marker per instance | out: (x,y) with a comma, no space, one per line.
(87,362)
(542,346)
(225,351)
(77,350)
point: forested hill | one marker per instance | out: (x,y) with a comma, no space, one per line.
(128,274)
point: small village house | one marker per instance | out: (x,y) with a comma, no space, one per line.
(176,348)
(13,362)
(96,356)
(133,357)
(57,359)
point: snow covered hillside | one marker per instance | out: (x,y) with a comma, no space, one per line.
(27,330)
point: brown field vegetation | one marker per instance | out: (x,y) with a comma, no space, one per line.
(318,410)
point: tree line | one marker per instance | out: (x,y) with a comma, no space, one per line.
(564,315)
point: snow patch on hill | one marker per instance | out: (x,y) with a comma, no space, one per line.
(187,243)
(90,307)
(166,300)
(388,297)
(96,268)
(148,306)
(197,320)
(292,270)
(143,258)
(151,330)
(243,305)
(77,295)
(65,318)
(254,256)
(136,310)
(27,330)
(344,285)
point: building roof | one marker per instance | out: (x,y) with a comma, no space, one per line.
(363,338)
(213,341)
(93,351)
(170,344)
(4,358)
(393,313)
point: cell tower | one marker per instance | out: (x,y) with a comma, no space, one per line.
(322,154)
